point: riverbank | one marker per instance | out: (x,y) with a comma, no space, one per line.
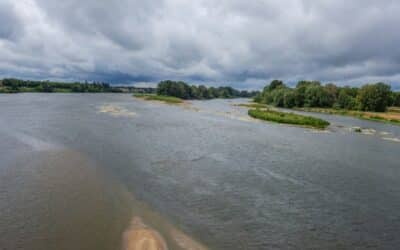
(288,118)
(392,116)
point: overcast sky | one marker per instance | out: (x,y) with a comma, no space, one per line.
(218,42)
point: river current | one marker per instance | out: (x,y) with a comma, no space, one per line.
(74,168)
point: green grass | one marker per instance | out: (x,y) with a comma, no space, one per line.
(288,118)
(161,98)
(252,105)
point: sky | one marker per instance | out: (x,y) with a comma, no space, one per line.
(240,43)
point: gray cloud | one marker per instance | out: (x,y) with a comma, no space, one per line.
(242,43)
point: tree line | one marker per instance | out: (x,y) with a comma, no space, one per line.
(11,85)
(370,97)
(185,91)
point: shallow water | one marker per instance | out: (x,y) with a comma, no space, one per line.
(75,167)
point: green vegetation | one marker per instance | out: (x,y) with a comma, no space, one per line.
(252,105)
(288,118)
(391,116)
(311,94)
(374,97)
(21,86)
(161,98)
(16,86)
(185,91)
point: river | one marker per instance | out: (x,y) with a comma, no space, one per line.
(75,168)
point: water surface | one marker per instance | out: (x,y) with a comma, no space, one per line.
(75,167)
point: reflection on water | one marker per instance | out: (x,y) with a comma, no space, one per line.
(72,177)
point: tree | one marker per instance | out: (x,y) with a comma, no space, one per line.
(345,100)
(203,92)
(275,84)
(374,97)
(185,91)
(301,88)
(194,92)
(289,98)
(396,99)
(317,96)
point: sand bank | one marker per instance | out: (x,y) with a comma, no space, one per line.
(141,237)
(115,110)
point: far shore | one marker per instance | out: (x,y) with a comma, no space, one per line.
(392,115)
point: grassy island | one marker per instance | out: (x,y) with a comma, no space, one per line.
(288,118)
(160,98)
(252,105)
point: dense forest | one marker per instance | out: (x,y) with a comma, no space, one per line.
(370,97)
(185,91)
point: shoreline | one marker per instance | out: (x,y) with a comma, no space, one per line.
(385,117)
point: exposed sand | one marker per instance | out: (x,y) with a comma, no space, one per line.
(387,115)
(393,139)
(115,110)
(141,237)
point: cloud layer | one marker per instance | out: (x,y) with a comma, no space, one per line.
(242,43)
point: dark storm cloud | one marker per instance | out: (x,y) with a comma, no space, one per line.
(10,26)
(243,43)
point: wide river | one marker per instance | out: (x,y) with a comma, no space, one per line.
(75,168)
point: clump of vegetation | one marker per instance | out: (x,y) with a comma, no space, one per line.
(161,98)
(252,105)
(189,92)
(288,118)
(312,94)
(5,90)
